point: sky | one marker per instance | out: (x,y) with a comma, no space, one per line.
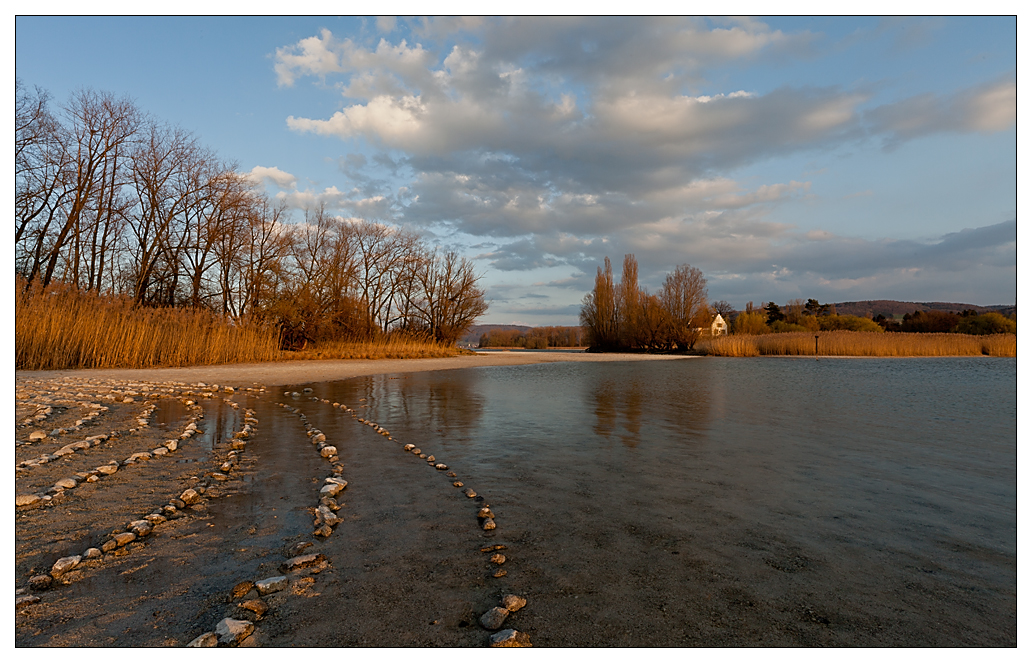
(841,159)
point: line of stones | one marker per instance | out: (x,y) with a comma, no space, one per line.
(107,469)
(233,628)
(48,410)
(494,618)
(326,518)
(136,529)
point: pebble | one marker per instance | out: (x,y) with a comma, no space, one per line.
(302,561)
(124,538)
(500,573)
(409,447)
(493,619)
(257,606)
(458,484)
(330,490)
(232,631)
(497,546)
(22,601)
(141,528)
(37,435)
(498,558)
(271,585)
(92,553)
(430,459)
(64,565)
(190,496)
(510,638)
(513,603)
(441,466)
(40,583)
(452,474)
(26,500)
(489,524)
(66,484)
(485,513)
(469,492)
(323,530)
(328,451)
(240,589)
(107,469)
(208,639)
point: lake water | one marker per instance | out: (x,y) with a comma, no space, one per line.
(713,501)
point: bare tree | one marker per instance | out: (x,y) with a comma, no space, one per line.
(599,313)
(684,298)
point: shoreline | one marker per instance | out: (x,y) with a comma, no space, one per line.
(326,370)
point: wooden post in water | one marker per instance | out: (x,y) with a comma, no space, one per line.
(815,337)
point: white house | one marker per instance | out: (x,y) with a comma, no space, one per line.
(719,326)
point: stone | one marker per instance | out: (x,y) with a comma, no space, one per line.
(37,435)
(141,527)
(238,444)
(422,455)
(469,492)
(160,451)
(124,538)
(512,603)
(40,583)
(509,638)
(169,510)
(107,469)
(190,496)
(93,478)
(271,585)
(64,565)
(489,524)
(409,447)
(493,619)
(318,438)
(430,458)
(241,589)
(417,451)
(452,474)
(257,606)
(328,451)
(66,484)
(171,445)
(108,545)
(208,639)
(330,490)
(232,631)
(323,531)
(441,466)
(498,558)
(26,500)
(328,516)
(142,455)
(485,513)
(92,553)
(497,546)
(22,601)
(499,573)
(302,561)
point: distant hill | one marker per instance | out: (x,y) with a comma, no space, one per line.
(474,333)
(891,307)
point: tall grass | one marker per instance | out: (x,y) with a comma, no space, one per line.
(62,328)
(862,344)
(389,347)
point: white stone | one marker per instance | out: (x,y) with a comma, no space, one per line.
(271,585)
(26,500)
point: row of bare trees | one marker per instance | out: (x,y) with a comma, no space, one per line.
(625,315)
(112,200)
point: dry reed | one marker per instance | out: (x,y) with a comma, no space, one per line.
(390,347)
(862,344)
(62,328)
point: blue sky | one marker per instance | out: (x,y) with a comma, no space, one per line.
(834,158)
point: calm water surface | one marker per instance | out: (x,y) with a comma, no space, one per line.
(737,501)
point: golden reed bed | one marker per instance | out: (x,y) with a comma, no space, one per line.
(67,329)
(862,344)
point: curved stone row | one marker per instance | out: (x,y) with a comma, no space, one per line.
(134,530)
(250,600)
(325,513)
(101,471)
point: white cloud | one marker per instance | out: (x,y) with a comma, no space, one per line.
(278,177)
